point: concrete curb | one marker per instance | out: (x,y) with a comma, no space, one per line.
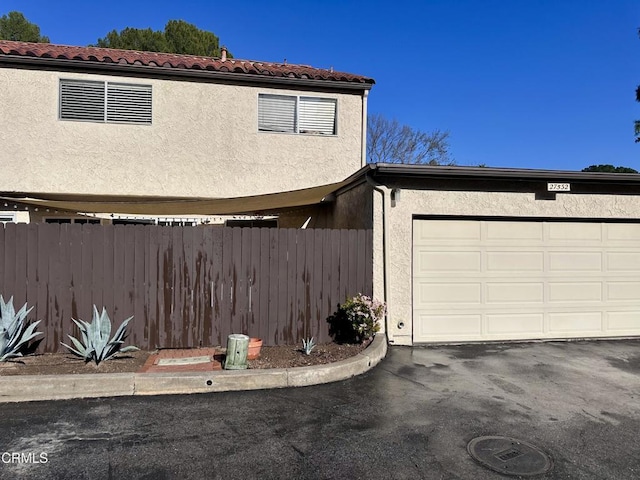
(63,387)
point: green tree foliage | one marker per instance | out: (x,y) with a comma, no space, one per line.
(390,142)
(178,37)
(609,169)
(14,26)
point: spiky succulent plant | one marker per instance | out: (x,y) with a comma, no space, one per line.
(95,344)
(15,333)
(308,345)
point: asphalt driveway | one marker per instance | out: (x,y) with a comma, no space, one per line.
(410,417)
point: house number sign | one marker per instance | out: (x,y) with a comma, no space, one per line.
(558,187)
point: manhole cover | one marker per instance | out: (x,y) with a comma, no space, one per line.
(509,456)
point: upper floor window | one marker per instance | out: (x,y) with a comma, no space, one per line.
(297,114)
(109,102)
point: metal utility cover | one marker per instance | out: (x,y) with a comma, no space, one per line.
(509,456)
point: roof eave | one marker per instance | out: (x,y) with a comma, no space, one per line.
(378,171)
(178,73)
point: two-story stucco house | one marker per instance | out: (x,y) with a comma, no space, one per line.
(83,121)
(460,253)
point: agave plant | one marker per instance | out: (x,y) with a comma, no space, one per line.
(308,345)
(96,344)
(15,334)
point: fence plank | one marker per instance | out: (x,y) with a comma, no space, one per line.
(292,279)
(198,292)
(9,266)
(275,286)
(299,319)
(215,275)
(52,332)
(20,260)
(243,258)
(112,272)
(318,309)
(32,264)
(4,245)
(263,280)
(140,298)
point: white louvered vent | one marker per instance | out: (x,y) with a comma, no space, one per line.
(82,100)
(292,114)
(91,101)
(317,115)
(276,113)
(128,103)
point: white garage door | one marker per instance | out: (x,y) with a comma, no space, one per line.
(507,280)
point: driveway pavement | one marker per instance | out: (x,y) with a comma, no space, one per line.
(410,417)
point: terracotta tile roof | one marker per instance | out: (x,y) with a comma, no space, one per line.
(98,55)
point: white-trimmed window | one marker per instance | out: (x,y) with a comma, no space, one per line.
(106,102)
(297,114)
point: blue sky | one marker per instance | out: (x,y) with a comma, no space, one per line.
(517,83)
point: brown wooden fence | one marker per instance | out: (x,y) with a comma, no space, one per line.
(185,286)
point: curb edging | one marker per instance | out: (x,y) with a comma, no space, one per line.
(64,387)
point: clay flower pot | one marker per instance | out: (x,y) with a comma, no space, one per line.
(254,348)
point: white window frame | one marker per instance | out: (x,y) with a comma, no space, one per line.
(296,125)
(141,102)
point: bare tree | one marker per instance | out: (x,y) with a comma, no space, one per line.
(390,142)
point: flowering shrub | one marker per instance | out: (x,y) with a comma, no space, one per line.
(356,320)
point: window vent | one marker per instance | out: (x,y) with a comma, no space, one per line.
(128,103)
(317,115)
(105,102)
(277,113)
(291,114)
(82,100)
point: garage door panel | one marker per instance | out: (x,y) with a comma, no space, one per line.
(449,261)
(623,232)
(434,230)
(565,261)
(623,261)
(497,280)
(449,293)
(572,323)
(445,325)
(561,292)
(576,233)
(514,231)
(627,322)
(526,325)
(502,261)
(623,291)
(499,293)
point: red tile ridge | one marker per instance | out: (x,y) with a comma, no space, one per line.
(174,61)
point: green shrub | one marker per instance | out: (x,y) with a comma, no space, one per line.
(96,344)
(15,332)
(356,320)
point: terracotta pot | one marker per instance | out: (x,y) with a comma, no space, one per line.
(254,348)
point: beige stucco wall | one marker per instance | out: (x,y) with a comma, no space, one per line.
(204,141)
(492,204)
